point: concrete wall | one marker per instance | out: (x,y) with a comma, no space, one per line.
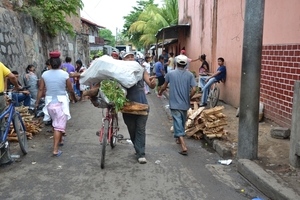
(217,30)
(22,43)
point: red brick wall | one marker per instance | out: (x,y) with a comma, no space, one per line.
(280,69)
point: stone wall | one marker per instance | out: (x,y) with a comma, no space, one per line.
(23,43)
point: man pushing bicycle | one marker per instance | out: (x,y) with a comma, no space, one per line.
(5,72)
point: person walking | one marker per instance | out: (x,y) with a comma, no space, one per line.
(147,67)
(170,62)
(68,67)
(181,89)
(207,81)
(56,101)
(5,73)
(136,124)
(160,73)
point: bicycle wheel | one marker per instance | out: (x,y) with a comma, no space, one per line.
(104,142)
(114,131)
(21,132)
(214,97)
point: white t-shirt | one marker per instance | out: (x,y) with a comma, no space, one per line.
(147,67)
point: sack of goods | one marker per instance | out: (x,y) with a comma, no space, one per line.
(127,73)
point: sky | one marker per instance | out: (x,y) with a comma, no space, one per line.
(108,13)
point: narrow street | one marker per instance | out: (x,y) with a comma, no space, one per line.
(76,174)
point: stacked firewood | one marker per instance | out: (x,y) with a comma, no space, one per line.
(32,126)
(209,122)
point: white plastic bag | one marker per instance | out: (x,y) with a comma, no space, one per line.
(127,73)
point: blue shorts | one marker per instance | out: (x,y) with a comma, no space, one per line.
(179,119)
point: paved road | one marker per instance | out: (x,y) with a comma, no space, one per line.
(77,174)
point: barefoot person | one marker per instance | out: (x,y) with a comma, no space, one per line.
(57,103)
(181,83)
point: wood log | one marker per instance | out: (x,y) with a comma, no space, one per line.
(197,128)
(195,114)
(219,122)
(214,110)
(189,112)
(196,106)
(220,115)
(216,130)
(136,112)
(12,135)
(134,106)
(13,139)
(198,136)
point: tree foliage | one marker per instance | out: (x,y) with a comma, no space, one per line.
(106,34)
(50,15)
(152,19)
(134,37)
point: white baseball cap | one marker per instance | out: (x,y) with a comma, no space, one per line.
(182,59)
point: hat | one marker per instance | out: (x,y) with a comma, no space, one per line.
(182,51)
(182,59)
(127,53)
(54,54)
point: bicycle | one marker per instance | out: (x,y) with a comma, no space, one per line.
(109,131)
(213,96)
(18,125)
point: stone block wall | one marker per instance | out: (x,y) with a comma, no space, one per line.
(280,69)
(23,43)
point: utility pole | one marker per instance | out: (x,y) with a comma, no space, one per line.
(250,80)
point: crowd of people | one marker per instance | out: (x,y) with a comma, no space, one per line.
(59,86)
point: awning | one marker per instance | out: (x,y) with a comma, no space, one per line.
(170,32)
(166,43)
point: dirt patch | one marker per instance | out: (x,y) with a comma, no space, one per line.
(273,154)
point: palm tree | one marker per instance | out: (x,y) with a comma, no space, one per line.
(153,19)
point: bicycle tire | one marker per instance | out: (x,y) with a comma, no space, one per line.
(104,142)
(21,133)
(114,127)
(214,98)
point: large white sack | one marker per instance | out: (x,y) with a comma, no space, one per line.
(127,73)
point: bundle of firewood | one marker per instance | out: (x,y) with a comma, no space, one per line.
(32,126)
(209,122)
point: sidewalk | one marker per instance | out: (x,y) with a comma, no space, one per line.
(271,173)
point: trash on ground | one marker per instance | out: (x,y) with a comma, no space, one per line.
(225,162)
(167,106)
(257,199)
(129,141)
(157,162)
(33,163)
(15,156)
(51,137)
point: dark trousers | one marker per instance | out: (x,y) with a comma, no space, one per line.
(136,125)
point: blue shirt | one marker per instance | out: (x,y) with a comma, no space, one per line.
(158,67)
(181,81)
(222,75)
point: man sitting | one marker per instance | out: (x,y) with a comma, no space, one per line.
(206,81)
(21,96)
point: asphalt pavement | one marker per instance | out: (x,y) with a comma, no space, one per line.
(76,174)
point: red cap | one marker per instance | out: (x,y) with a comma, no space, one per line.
(182,51)
(54,54)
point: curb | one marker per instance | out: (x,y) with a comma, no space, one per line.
(253,172)
(264,181)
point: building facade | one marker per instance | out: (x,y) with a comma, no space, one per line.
(217,28)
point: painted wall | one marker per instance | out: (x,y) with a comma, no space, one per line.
(217,30)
